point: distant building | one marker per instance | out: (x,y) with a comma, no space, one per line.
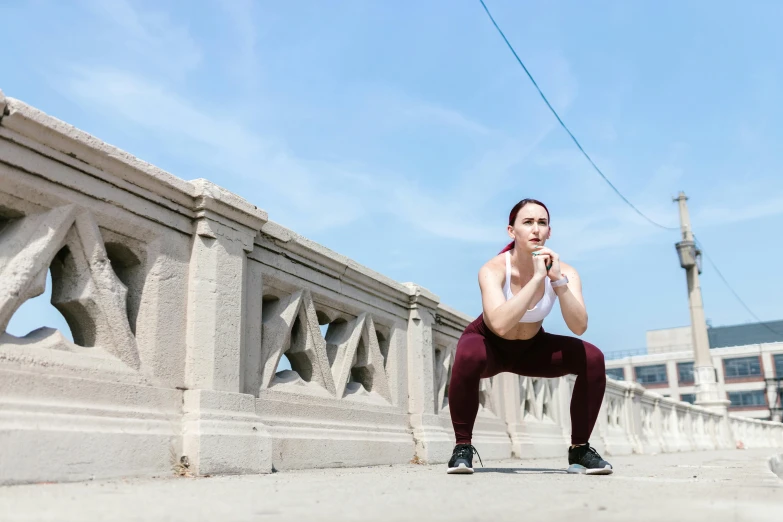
(748,359)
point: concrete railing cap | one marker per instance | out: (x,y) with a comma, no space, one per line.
(342,267)
(419,294)
(217,199)
(62,137)
(3,105)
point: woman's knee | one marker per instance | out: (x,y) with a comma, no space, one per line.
(594,358)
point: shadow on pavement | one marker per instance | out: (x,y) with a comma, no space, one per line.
(518,471)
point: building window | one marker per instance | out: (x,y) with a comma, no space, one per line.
(747,398)
(685,372)
(616,373)
(655,374)
(779,365)
(688,397)
(742,367)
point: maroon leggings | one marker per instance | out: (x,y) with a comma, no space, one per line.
(481,354)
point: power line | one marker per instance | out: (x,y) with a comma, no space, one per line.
(600,173)
(579,146)
(717,271)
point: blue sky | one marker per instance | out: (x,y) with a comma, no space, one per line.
(401,133)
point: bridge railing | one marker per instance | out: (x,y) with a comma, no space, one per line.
(183,299)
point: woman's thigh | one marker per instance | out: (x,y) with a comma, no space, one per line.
(475,353)
(553,356)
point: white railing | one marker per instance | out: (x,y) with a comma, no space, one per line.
(183,298)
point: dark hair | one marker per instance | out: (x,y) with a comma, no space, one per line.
(512,216)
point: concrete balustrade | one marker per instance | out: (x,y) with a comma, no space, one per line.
(182,300)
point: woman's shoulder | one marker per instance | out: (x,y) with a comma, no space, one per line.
(568,270)
(494,268)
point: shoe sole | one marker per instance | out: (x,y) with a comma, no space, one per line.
(581,470)
(462,469)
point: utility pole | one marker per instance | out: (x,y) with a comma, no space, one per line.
(707,391)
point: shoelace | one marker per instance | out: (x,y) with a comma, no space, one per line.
(471,450)
(593,451)
(590,449)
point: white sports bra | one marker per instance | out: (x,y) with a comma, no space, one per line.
(542,308)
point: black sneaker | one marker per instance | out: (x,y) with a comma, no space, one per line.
(462,459)
(585,460)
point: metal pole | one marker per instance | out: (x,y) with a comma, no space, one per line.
(708,393)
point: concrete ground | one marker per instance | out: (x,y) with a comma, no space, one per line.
(710,486)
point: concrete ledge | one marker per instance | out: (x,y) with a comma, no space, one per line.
(310,432)
(285,243)
(211,197)
(776,465)
(3,105)
(434,443)
(536,440)
(63,137)
(50,430)
(223,435)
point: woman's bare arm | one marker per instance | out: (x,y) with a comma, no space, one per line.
(500,315)
(572,304)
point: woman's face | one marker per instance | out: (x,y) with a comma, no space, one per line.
(531,227)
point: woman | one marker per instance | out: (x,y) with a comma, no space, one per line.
(518,289)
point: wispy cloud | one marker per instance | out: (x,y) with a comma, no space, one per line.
(434,114)
(221,143)
(390,106)
(245,63)
(306,193)
(164,44)
(739,202)
(314,194)
(605,222)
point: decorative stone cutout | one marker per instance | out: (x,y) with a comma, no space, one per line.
(357,363)
(290,327)
(384,342)
(613,407)
(127,265)
(486,403)
(347,361)
(536,398)
(647,420)
(443,362)
(666,424)
(85,289)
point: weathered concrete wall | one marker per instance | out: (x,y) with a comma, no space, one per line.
(182,299)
